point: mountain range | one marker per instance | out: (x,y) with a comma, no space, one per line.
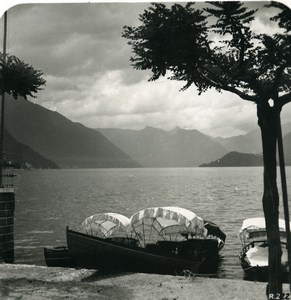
(68,144)
(287,148)
(251,144)
(152,147)
(46,139)
(248,143)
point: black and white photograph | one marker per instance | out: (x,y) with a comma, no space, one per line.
(145,150)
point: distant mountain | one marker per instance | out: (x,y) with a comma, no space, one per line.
(248,143)
(23,156)
(152,147)
(69,144)
(72,145)
(287,148)
(236,159)
(246,150)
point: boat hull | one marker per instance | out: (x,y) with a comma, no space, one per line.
(261,274)
(95,253)
(257,268)
(58,257)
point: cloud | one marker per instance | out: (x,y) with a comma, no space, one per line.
(105,101)
(89,78)
(62,38)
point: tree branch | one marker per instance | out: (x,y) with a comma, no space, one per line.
(242,95)
(228,88)
(218,83)
(285,99)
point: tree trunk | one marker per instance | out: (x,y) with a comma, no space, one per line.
(267,117)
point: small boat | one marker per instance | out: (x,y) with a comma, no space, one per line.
(58,257)
(254,254)
(163,240)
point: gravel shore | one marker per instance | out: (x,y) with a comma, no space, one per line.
(37,283)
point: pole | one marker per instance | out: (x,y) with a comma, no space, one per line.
(3,105)
(7,197)
(284,193)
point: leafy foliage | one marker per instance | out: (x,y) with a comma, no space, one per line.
(18,78)
(283,17)
(225,54)
(171,39)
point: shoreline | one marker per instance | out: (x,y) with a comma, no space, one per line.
(38,282)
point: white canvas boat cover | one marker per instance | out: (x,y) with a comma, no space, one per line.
(259,223)
(171,223)
(106,225)
(255,229)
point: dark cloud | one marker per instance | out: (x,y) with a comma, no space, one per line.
(90,80)
(62,38)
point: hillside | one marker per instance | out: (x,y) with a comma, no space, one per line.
(50,139)
(236,159)
(248,143)
(287,148)
(69,144)
(152,147)
(23,156)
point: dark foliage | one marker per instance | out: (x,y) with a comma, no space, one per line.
(180,40)
(18,78)
(173,39)
(284,15)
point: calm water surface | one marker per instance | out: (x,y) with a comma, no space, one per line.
(49,200)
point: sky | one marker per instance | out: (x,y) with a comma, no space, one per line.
(89,78)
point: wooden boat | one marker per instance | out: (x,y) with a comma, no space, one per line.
(97,253)
(254,254)
(58,257)
(165,240)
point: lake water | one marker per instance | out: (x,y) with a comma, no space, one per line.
(49,200)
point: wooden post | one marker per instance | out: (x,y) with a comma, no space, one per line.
(7,197)
(284,193)
(3,104)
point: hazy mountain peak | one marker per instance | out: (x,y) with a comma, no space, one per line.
(177,128)
(152,147)
(152,129)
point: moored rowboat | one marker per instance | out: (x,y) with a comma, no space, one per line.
(166,240)
(125,255)
(254,254)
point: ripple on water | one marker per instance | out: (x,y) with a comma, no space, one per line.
(225,196)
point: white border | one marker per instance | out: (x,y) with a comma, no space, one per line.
(6,5)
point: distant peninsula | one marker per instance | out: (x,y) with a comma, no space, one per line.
(236,159)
